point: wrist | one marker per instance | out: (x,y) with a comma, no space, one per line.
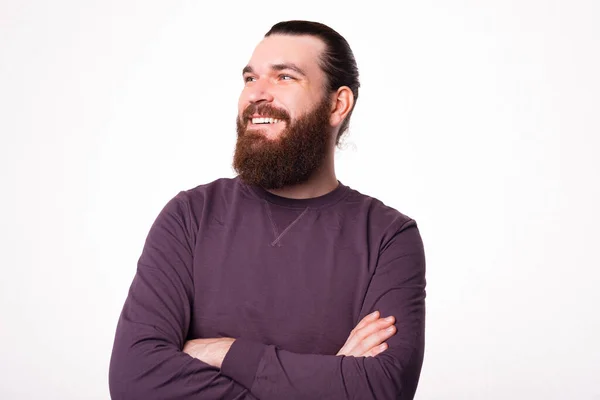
(221,349)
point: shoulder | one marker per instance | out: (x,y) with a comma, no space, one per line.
(385,225)
(393,232)
(201,192)
(378,213)
(210,194)
(189,205)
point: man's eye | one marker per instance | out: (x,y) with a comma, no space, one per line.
(249,79)
(286,77)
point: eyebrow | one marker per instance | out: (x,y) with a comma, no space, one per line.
(277,67)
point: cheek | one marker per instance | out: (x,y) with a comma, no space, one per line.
(292,103)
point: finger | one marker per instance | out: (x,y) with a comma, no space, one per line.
(374,326)
(370,335)
(369,318)
(376,338)
(376,350)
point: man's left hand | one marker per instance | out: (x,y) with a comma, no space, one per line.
(210,351)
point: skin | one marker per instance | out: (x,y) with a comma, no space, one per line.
(284,72)
(296,93)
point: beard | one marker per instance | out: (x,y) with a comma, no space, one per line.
(292,157)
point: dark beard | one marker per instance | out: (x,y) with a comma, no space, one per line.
(289,159)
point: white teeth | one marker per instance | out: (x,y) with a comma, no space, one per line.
(265,120)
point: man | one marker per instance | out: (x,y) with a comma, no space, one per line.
(275,284)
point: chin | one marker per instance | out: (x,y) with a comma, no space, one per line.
(265,133)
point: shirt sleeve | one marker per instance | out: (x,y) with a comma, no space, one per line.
(397,288)
(147,361)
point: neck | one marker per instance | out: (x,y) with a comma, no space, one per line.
(320,183)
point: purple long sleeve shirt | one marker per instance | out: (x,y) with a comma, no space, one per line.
(289,279)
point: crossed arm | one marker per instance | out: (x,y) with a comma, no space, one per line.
(367,339)
(151,358)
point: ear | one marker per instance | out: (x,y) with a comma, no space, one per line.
(341,104)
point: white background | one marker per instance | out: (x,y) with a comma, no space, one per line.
(480,119)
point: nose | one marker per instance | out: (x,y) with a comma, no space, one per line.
(260,90)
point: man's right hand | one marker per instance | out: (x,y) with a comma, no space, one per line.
(368,338)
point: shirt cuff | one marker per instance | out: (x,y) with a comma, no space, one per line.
(241,361)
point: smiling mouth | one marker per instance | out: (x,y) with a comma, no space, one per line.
(264,121)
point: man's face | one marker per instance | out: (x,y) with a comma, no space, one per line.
(283,113)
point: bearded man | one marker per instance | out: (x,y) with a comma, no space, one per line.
(281,283)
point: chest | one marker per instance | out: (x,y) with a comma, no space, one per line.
(298,286)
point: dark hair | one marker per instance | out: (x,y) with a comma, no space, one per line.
(338,62)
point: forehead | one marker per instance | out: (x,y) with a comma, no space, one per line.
(303,51)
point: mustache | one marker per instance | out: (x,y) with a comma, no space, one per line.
(266,110)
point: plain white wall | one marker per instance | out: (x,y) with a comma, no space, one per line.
(480,119)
